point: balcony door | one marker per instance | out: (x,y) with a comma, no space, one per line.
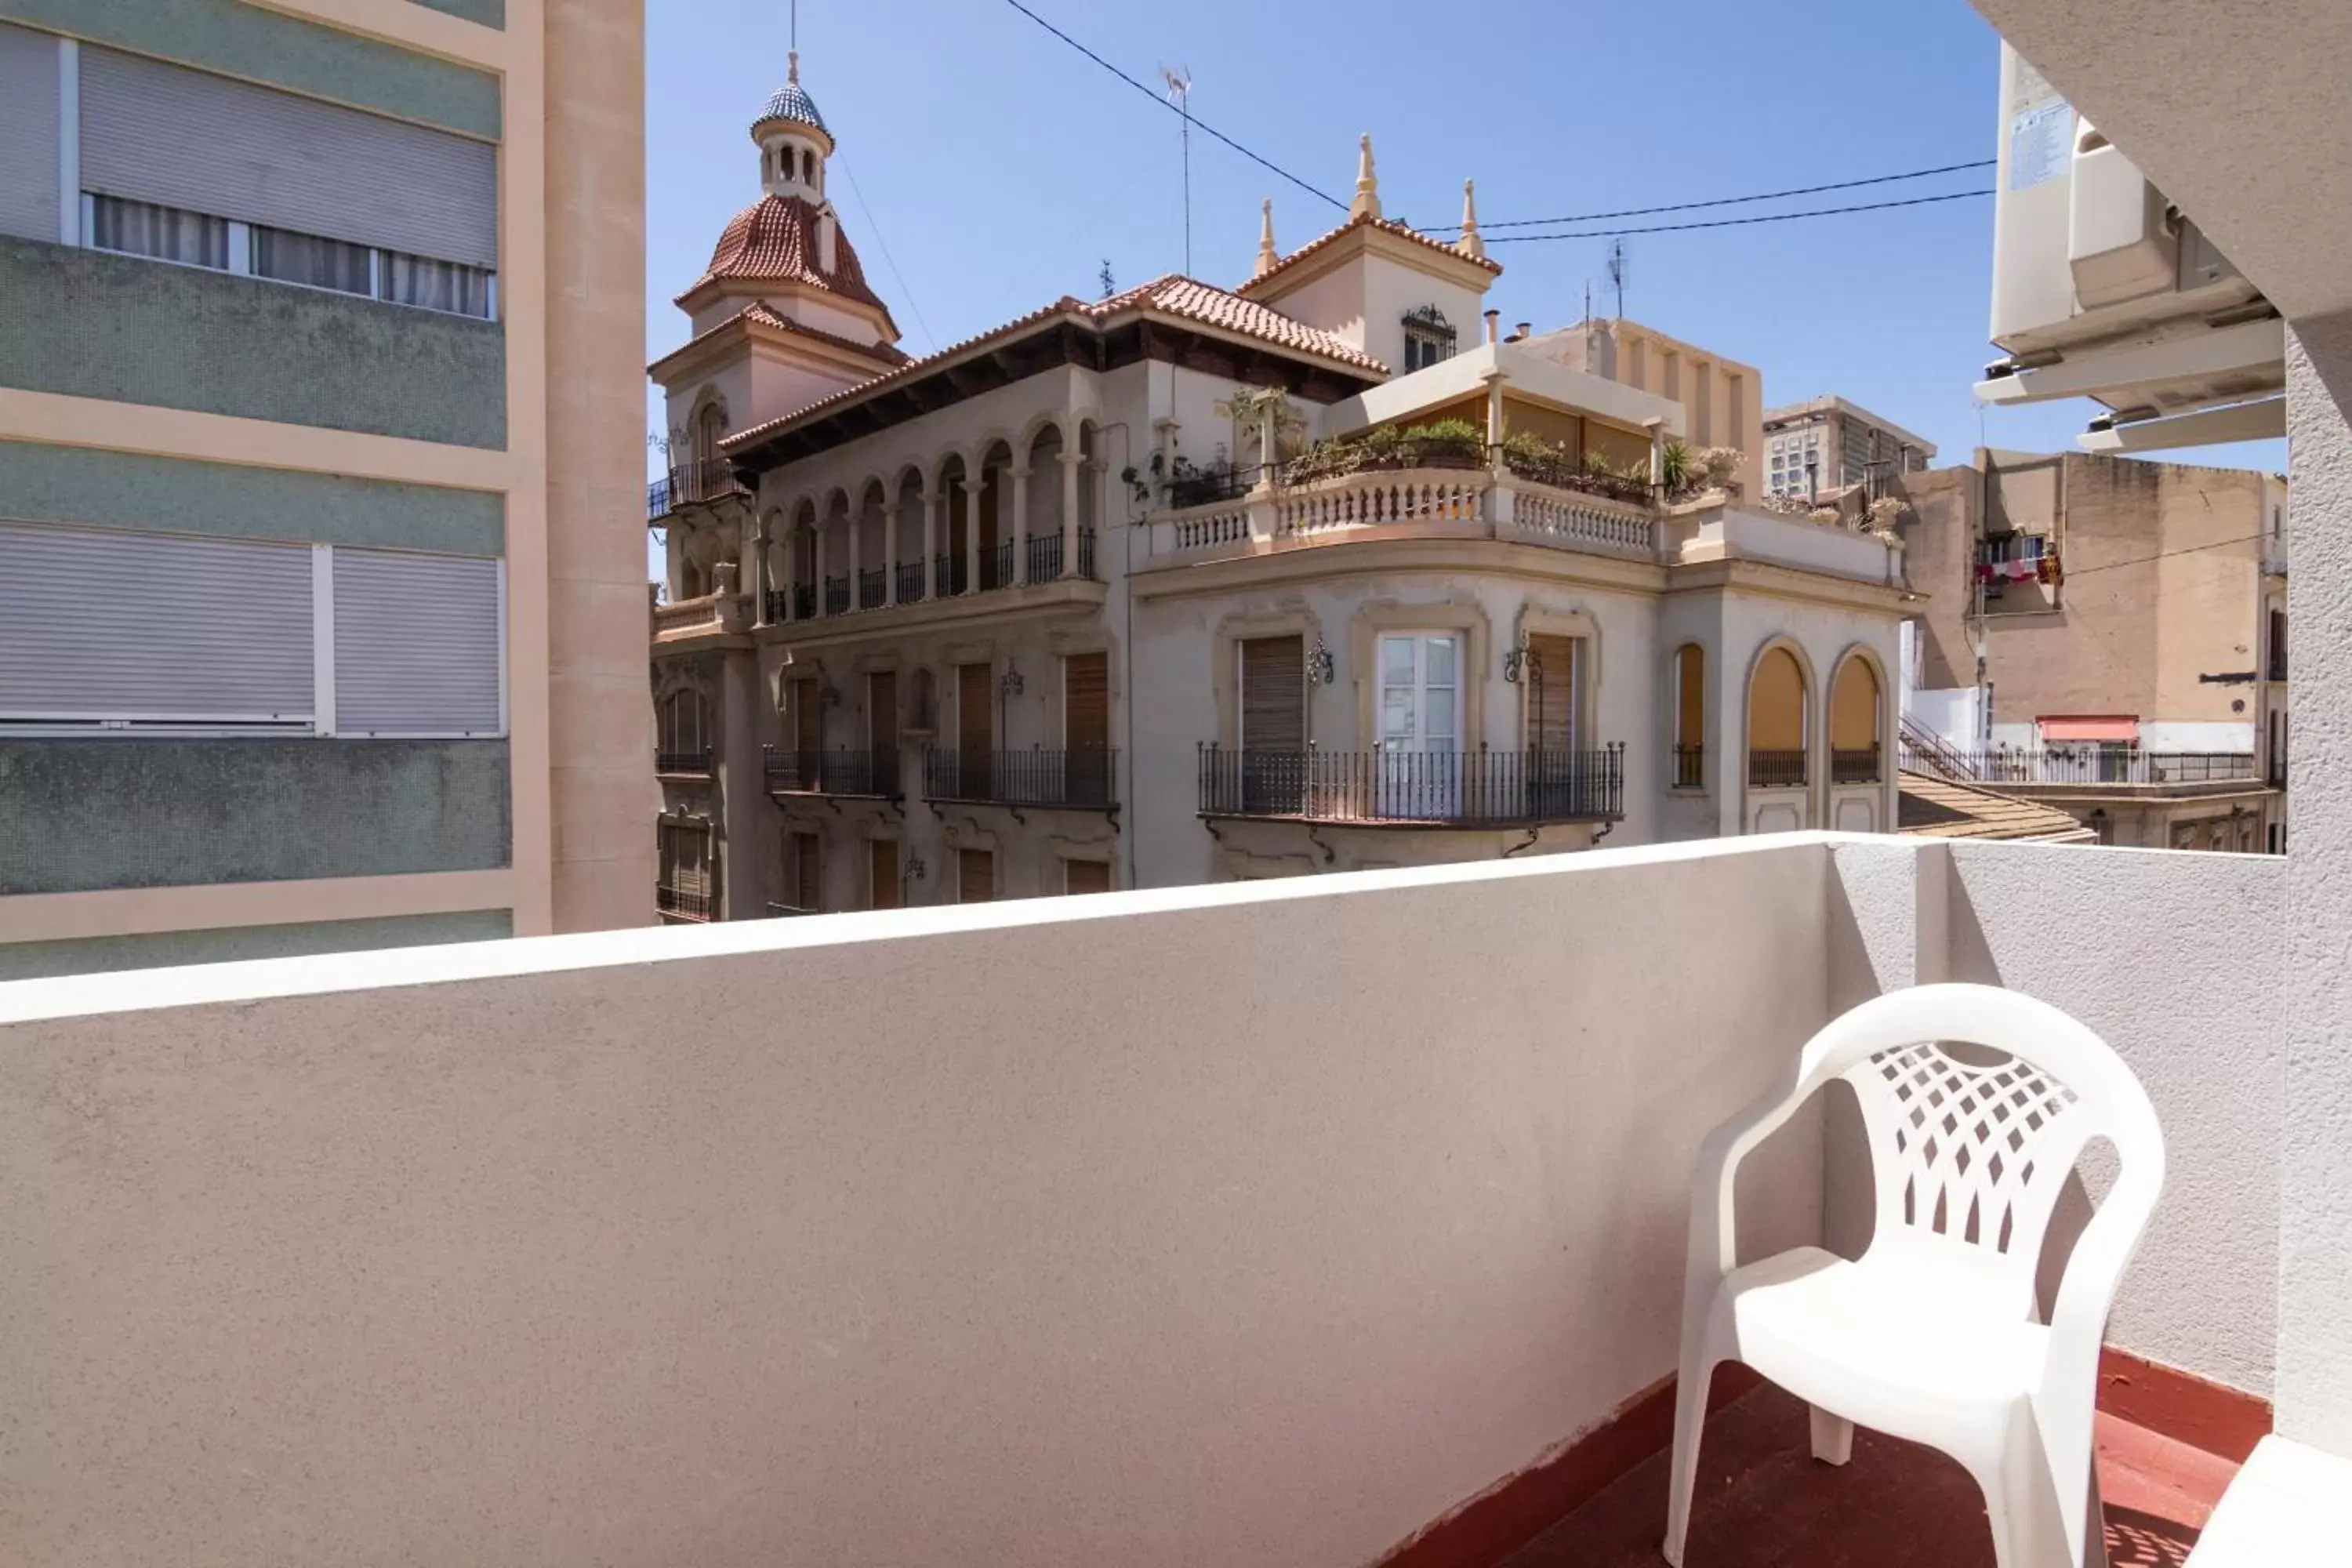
(1421,724)
(1273,724)
(975,730)
(808,733)
(882,874)
(1549,678)
(1086,727)
(882,733)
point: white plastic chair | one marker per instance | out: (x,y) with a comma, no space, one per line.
(1933,1334)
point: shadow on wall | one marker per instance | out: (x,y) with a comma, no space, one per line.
(1848,1203)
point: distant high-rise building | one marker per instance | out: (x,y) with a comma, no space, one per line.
(1825,444)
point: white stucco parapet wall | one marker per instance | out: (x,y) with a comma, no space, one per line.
(582,1249)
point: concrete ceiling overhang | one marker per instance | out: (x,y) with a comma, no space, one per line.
(2239,110)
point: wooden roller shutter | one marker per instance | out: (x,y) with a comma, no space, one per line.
(1273,694)
(1086,876)
(807,734)
(417,644)
(882,874)
(882,733)
(975,875)
(180,138)
(975,731)
(1086,717)
(1551,694)
(808,872)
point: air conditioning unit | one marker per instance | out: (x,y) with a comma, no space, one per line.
(2102,289)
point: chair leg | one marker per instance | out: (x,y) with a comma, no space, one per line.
(1690,1419)
(1832,1437)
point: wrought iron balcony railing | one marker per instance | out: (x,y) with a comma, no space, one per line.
(1852,767)
(692,761)
(872,776)
(690,484)
(694,903)
(1443,788)
(1689,767)
(1082,779)
(1777,770)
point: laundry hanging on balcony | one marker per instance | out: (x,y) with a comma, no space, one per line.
(2040,568)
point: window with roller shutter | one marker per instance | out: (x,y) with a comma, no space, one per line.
(1274,723)
(418,645)
(975,875)
(224,631)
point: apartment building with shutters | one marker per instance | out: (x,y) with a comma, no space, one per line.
(1156,589)
(320,592)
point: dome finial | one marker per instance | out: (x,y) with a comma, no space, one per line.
(792,71)
(1470,243)
(1266,255)
(1367,183)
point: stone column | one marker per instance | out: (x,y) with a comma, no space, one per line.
(755,571)
(857,554)
(972,529)
(931,500)
(817,558)
(1071,461)
(1020,532)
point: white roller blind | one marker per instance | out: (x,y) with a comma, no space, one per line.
(29,134)
(140,627)
(416,644)
(162,133)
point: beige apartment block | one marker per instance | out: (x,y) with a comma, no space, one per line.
(319,352)
(1035,614)
(1823,445)
(2110,636)
(1722,400)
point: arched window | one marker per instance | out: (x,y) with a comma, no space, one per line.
(808,167)
(1855,740)
(684,742)
(1690,716)
(1776,722)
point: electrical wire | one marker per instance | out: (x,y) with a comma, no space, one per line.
(1735,222)
(1206,129)
(1731,200)
(2074,572)
(876,230)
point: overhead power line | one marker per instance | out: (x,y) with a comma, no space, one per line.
(1731,200)
(2073,573)
(1734,222)
(876,230)
(1206,129)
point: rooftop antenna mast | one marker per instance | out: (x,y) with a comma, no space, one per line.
(1180,93)
(1617,270)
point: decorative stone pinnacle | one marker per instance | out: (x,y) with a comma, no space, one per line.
(1470,243)
(1367,183)
(1265,252)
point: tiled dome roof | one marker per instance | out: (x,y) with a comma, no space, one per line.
(792,101)
(774,240)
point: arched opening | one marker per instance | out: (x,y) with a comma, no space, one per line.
(1690,716)
(703,476)
(871,525)
(1776,722)
(1046,492)
(804,559)
(904,529)
(955,555)
(994,507)
(1089,496)
(833,552)
(1857,740)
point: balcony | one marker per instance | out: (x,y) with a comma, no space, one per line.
(1083,780)
(1777,770)
(2089,767)
(693,484)
(685,764)
(1415,789)
(886,588)
(1478,503)
(687,902)
(709,614)
(1328,1215)
(1861,766)
(1689,767)
(847,776)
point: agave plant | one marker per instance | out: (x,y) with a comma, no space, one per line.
(1677,472)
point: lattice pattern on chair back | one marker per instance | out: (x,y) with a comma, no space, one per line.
(1975,1154)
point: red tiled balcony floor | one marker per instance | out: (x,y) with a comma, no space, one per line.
(1764,1499)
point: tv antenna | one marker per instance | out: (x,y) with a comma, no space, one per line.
(1180,93)
(1617,270)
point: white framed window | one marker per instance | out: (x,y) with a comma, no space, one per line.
(1421,691)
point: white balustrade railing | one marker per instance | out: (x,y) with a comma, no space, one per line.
(1381,500)
(1200,528)
(684,613)
(1581,521)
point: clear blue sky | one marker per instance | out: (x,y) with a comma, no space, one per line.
(998,169)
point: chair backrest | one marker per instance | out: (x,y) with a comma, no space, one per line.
(1977,1103)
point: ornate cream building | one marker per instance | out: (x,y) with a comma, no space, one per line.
(1034,614)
